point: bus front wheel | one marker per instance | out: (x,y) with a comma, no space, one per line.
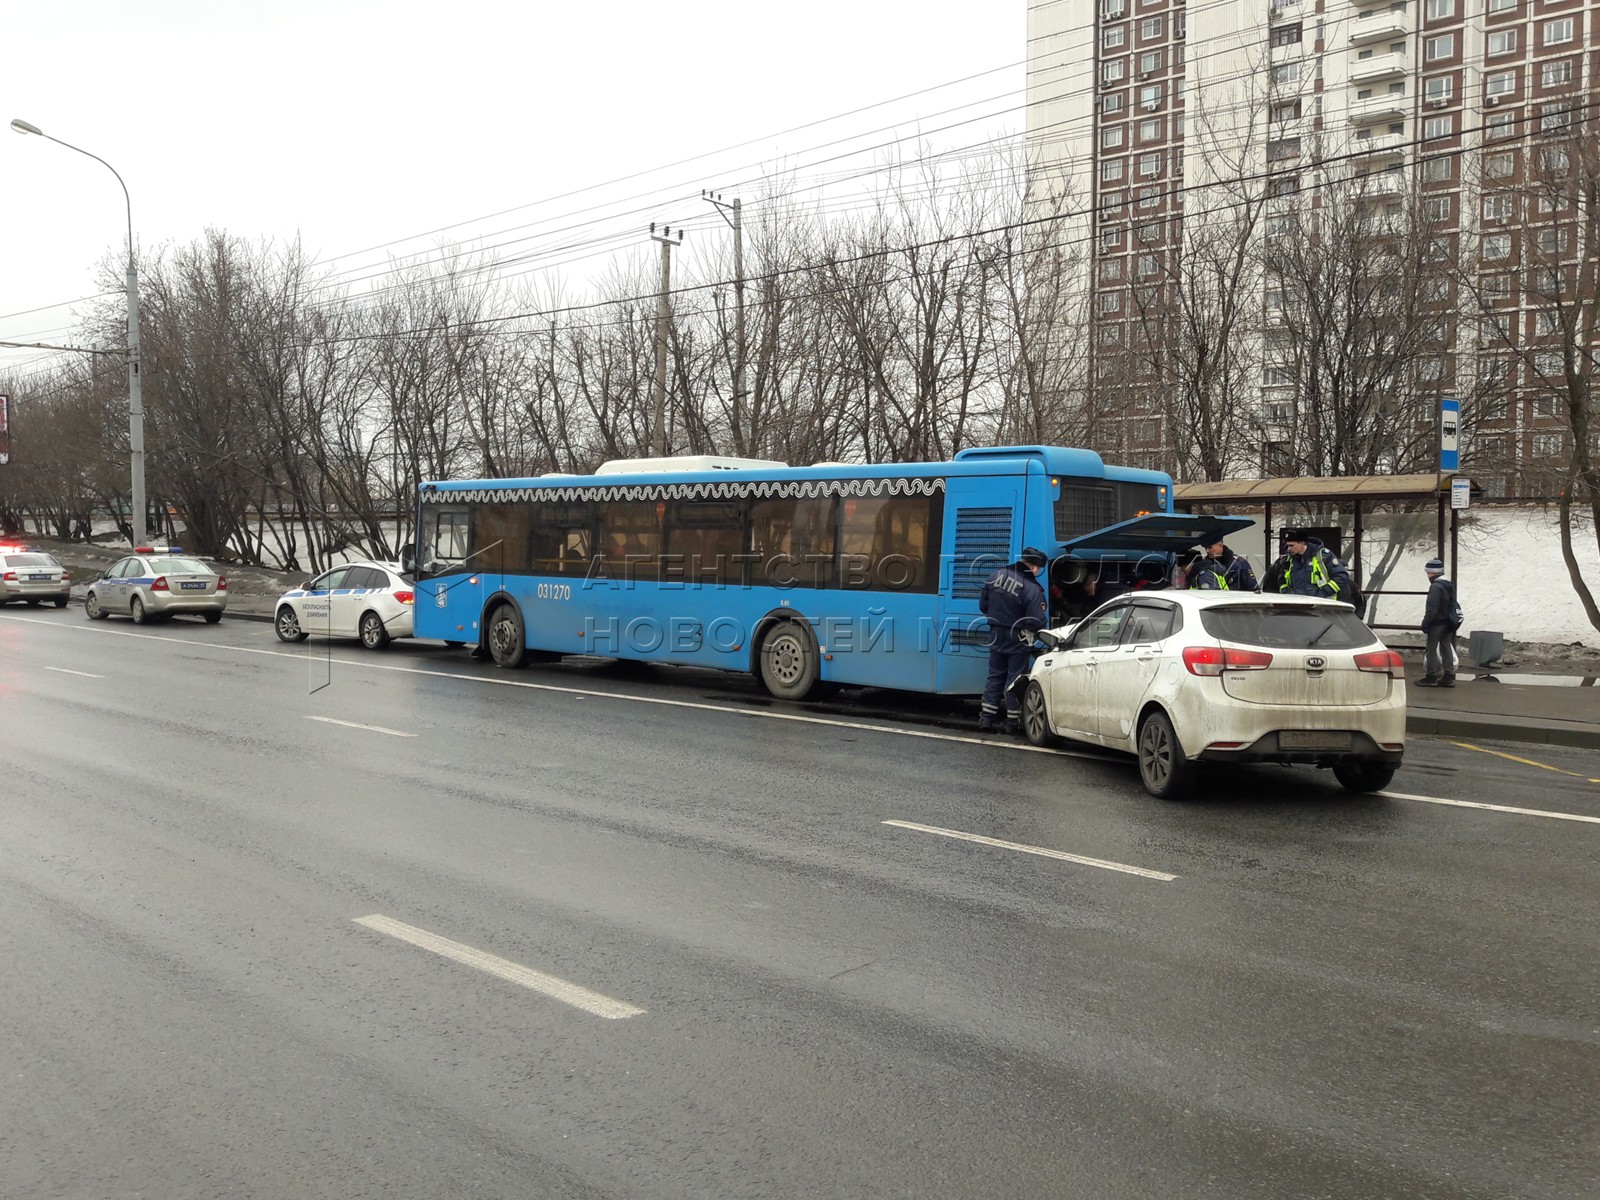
(506,643)
(789,667)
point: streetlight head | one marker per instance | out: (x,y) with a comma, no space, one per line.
(21,126)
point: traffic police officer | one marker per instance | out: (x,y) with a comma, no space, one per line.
(1014,602)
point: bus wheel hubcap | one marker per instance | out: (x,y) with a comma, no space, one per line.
(787,661)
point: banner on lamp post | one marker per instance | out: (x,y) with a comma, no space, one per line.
(5,428)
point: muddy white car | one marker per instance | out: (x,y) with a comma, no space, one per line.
(1182,678)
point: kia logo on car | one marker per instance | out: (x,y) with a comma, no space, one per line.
(1315,663)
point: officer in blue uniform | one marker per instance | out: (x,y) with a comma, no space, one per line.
(1014,602)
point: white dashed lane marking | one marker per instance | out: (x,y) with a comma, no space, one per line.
(1043,852)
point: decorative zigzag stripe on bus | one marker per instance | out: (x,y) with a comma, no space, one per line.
(797,489)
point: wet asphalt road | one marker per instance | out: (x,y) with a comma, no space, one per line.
(1332,996)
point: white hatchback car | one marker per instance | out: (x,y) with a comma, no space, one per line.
(369,600)
(1179,678)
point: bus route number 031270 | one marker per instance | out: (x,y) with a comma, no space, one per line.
(555,591)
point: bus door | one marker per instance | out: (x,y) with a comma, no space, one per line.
(982,532)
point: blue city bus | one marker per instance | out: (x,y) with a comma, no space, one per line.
(806,577)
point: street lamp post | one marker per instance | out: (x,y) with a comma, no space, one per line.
(135,386)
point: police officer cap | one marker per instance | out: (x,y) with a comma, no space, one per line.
(1434,566)
(1035,557)
(1296,534)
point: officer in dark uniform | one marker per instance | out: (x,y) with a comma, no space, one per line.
(1014,602)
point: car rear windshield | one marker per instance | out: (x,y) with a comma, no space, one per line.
(179,566)
(30,560)
(1286,626)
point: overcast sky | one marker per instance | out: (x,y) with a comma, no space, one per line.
(354,124)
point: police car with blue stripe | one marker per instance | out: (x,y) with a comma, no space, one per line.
(157,582)
(369,600)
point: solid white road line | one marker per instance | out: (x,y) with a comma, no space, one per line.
(742,712)
(1504,808)
(1039,850)
(66,671)
(358,725)
(548,985)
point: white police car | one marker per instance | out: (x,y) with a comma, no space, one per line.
(31,575)
(157,582)
(367,600)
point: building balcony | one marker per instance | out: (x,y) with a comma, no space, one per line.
(1379,27)
(1380,66)
(1380,145)
(1381,184)
(1389,106)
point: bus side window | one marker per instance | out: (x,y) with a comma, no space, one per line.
(793,542)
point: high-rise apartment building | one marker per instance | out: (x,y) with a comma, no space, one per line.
(1307,221)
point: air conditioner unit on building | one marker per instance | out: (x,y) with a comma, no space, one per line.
(1439,103)
(1491,101)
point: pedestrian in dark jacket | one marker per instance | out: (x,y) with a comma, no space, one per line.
(1014,602)
(1228,571)
(1308,569)
(1440,620)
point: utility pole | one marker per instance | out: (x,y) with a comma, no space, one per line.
(658,443)
(725,208)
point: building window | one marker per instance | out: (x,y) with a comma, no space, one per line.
(1439,249)
(1557,73)
(1288,110)
(1500,165)
(1111,102)
(1553,241)
(1501,83)
(1150,97)
(1503,42)
(1496,246)
(1497,207)
(1438,10)
(1435,128)
(1148,234)
(1495,330)
(1111,170)
(1113,71)
(1283,185)
(1150,131)
(1150,165)
(1110,270)
(1548,363)
(1111,137)
(1114,36)
(1149,197)
(1286,35)
(1282,149)
(1555,120)
(1110,204)
(1500,6)
(1549,445)
(1277,377)
(1500,125)
(1554,161)
(1111,239)
(1558,33)
(1151,28)
(1440,88)
(1180,24)
(1496,287)
(1436,208)
(1439,47)
(1110,302)
(1437,170)
(1436,287)
(1113,10)
(1148,265)
(1287,73)
(1149,62)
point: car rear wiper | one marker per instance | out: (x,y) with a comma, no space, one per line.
(1320,632)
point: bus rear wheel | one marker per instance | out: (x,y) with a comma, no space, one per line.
(789,662)
(506,644)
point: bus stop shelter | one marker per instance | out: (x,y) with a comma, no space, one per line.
(1358,494)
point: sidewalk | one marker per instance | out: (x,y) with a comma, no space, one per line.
(1558,710)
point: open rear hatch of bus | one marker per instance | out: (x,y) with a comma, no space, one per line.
(1157,533)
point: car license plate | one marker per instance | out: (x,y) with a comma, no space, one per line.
(39,578)
(193,587)
(1300,739)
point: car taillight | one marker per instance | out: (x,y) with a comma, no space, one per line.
(222,583)
(11,576)
(1382,662)
(1214,660)
(405,597)
(160,585)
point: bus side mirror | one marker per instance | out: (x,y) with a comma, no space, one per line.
(408,561)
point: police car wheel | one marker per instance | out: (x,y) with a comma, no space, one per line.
(136,609)
(287,626)
(212,617)
(373,635)
(1035,716)
(506,644)
(61,601)
(92,609)
(1163,769)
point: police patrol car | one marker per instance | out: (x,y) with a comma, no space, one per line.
(154,583)
(31,575)
(367,600)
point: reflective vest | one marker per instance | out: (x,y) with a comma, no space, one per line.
(1319,573)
